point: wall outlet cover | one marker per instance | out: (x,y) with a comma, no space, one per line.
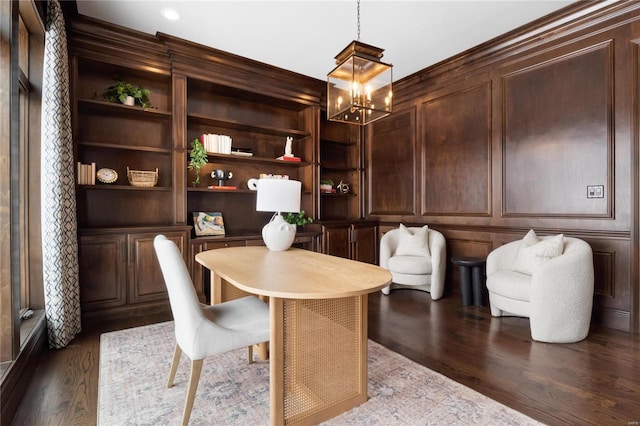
(595,191)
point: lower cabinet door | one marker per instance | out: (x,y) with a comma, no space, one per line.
(356,241)
(146,282)
(102,271)
(365,244)
(337,240)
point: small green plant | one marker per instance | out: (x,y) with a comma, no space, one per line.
(326,182)
(119,92)
(299,219)
(198,159)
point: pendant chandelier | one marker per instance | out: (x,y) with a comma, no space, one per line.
(359,89)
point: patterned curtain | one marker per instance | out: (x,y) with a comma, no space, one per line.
(58,214)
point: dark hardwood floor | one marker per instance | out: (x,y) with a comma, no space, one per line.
(593,382)
(64,389)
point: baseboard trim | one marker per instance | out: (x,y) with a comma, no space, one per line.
(15,382)
(126,311)
(612,318)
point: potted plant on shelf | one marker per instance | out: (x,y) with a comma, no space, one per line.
(128,94)
(326,186)
(198,159)
(299,219)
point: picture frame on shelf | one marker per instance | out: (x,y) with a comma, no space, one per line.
(208,224)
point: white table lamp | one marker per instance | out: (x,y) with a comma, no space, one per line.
(277,195)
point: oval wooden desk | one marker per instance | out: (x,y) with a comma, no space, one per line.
(318,342)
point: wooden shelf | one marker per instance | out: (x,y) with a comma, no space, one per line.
(256,160)
(108,187)
(138,148)
(231,191)
(223,191)
(326,194)
(236,125)
(247,236)
(338,169)
(345,144)
(124,109)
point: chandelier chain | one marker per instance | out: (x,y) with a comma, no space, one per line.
(358,20)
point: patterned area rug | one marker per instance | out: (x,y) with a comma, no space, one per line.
(134,366)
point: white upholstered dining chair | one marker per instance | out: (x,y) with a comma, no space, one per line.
(202,330)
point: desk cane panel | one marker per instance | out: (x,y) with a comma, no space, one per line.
(322,350)
(231,292)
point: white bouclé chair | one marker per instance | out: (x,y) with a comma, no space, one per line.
(553,290)
(416,258)
(201,330)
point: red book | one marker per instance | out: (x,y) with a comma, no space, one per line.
(227,187)
(295,159)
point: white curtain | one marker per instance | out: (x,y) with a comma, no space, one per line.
(58,215)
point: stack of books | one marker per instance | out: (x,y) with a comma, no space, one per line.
(216,144)
(270,176)
(86,174)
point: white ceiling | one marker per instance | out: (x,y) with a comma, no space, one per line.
(304,36)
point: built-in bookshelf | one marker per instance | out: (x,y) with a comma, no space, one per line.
(191,94)
(340,161)
(257,125)
(117,136)
(117,221)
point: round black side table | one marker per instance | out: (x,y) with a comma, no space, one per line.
(472,287)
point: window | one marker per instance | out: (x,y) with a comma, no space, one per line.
(21,60)
(23,165)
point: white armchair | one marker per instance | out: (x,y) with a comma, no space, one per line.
(557,296)
(420,268)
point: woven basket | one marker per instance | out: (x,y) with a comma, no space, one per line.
(142,177)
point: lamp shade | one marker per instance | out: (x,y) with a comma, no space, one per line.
(278,195)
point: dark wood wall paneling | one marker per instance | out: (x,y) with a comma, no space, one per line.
(506,139)
(635,180)
(456,155)
(557,135)
(393,159)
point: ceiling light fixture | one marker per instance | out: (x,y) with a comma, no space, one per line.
(170,14)
(359,89)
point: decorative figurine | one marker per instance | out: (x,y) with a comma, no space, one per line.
(221,175)
(343,187)
(287,147)
(288,155)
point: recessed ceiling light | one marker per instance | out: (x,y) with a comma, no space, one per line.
(170,14)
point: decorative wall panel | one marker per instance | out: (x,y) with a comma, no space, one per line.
(557,136)
(604,268)
(392,164)
(456,140)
